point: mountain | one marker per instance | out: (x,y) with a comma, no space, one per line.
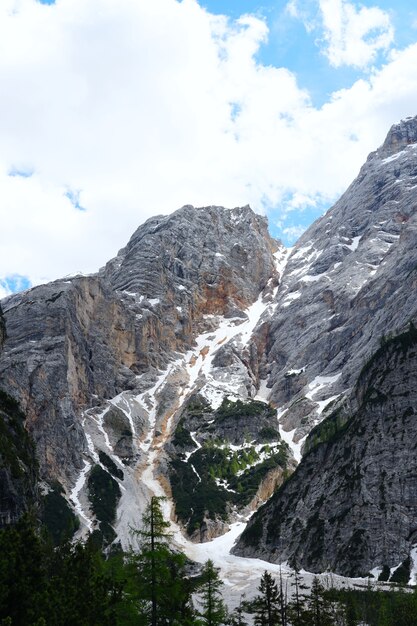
(104,365)
(205,360)
(18,465)
(342,346)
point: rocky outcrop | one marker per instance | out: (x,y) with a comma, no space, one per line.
(74,343)
(350,279)
(2,330)
(18,467)
(351,504)
(223,463)
(112,363)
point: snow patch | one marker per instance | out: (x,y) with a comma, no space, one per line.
(323,403)
(75,496)
(290,298)
(263,391)
(319,382)
(295,372)
(393,157)
(355,243)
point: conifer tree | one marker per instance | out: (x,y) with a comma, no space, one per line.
(296,606)
(318,607)
(266,606)
(214,611)
(163,589)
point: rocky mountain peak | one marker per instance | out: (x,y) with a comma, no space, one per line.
(196,249)
(399,137)
(75,343)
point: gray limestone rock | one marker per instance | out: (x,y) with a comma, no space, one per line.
(74,343)
(351,504)
(349,281)
(18,466)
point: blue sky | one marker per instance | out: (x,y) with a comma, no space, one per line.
(116,111)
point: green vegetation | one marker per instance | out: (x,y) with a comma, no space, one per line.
(333,425)
(104,494)
(182,437)
(239,409)
(59,586)
(196,485)
(58,517)
(269,434)
(75,585)
(402,573)
(214,612)
(110,465)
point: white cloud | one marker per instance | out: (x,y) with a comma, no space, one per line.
(4,291)
(354,35)
(140,107)
(294,232)
(292,8)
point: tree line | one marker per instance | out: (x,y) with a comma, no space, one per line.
(74,584)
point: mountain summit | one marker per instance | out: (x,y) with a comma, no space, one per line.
(205,360)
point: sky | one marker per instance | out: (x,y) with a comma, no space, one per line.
(112,111)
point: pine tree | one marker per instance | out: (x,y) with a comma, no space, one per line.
(214,612)
(282,600)
(318,607)
(163,589)
(267,605)
(296,606)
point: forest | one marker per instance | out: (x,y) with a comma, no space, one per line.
(76,584)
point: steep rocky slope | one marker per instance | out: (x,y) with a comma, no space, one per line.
(159,372)
(350,506)
(348,286)
(18,466)
(77,341)
(349,281)
(104,365)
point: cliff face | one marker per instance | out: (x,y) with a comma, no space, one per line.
(103,364)
(157,374)
(2,330)
(351,504)
(349,281)
(18,467)
(348,287)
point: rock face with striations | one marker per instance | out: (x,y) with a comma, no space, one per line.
(159,369)
(348,287)
(18,467)
(74,342)
(351,504)
(349,281)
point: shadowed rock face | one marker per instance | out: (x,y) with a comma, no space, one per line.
(74,342)
(18,468)
(351,504)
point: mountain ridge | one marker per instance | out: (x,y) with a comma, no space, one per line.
(205,304)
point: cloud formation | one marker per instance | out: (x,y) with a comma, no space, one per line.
(354,35)
(129,109)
